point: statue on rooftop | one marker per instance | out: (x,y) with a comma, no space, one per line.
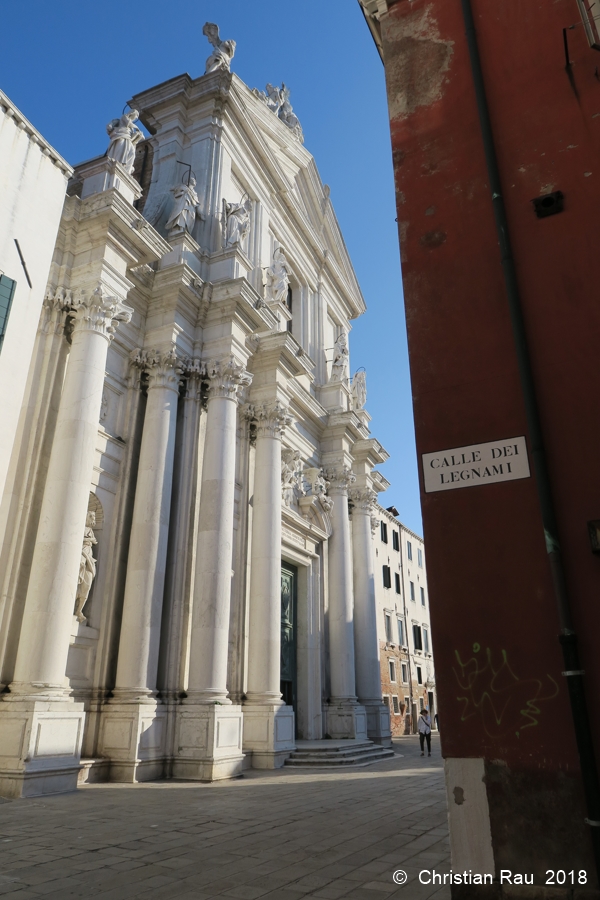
(124,135)
(359,389)
(186,207)
(278,101)
(223,51)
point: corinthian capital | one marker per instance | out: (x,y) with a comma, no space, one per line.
(225,377)
(98,312)
(164,368)
(340,477)
(270,419)
(363,499)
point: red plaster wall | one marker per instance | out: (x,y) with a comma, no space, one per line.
(491,597)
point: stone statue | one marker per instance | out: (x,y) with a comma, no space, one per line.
(87,567)
(185,208)
(339,369)
(277,277)
(359,390)
(124,136)
(237,222)
(291,476)
(223,51)
(278,101)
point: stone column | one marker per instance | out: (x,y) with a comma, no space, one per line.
(345,718)
(40,727)
(209,728)
(366,642)
(133,727)
(269,730)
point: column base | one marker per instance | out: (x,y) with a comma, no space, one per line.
(269,734)
(132,736)
(378,722)
(40,746)
(346,721)
(208,742)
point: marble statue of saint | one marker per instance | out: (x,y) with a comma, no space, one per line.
(223,51)
(274,98)
(359,390)
(291,475)
(185,208)
(287,115)
(124,135)
(339,369)
(237,222)
(87,567)
(277,277)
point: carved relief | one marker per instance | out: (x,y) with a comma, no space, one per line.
(226,377)
(340,478)
(164,367)
(316,486)
(363,499)
(98,312)
(270,419)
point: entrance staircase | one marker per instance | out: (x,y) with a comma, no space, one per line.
(328,754)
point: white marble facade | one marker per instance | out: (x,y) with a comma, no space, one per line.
(193,443)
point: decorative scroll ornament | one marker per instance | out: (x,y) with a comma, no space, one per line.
(98,312)
(374,525)
(124,135)
(270,419)
(226,377)
(222,53)
(359,390)
(363,499)
(277,99)
(340,477)
(291,476)
(164,367)
(87,567)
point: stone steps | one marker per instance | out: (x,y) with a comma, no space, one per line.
(334,754)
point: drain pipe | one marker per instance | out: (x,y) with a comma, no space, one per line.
(568,639)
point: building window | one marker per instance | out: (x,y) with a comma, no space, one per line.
(417,640)
(406,703)
(409,549)
(425,640)
(421,703)
(397,581)
(422,596)
(401,632)
(420,679)
(386,700)
(420,556)
(392,666)
(396,705)
(412,591)
(388,628)
(387,577)
(384,536)
(7,291)
(395,540)
(404,673)
(288,302)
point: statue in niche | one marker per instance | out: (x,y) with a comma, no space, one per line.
(339,369)
(237,222)
(223,51)
(87,567)
(359,390)
(186,207)
(278,279)
(291,476)
(124,135)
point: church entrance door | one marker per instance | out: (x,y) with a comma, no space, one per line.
(289,578)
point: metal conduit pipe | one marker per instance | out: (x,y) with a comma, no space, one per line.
(568,638)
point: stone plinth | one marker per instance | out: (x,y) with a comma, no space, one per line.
(106,174)
(40,746)
(132,735)
(184,249)
(269,734)
(229,263)
(378,722)
(208,742)
(346,720)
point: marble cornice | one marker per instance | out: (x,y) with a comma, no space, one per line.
(109,207)
(34,135)
(370,450)
(350,423)
(237,299)
(180,288)
(182,91)
(280,348)
(380,482)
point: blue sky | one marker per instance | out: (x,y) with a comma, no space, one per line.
(70,65)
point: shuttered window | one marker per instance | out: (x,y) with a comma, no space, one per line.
(7,290)
(387,577)
(384,536)
(395,540)
(397,581)
(417,639)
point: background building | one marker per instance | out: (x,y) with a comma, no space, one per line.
(184,590)
(495,137)
(403,626)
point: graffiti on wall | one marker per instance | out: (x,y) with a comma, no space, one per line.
(496,695)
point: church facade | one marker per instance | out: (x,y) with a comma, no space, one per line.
(187,557)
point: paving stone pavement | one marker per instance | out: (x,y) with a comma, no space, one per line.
(283,835)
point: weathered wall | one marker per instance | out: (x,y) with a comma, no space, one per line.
(501,694)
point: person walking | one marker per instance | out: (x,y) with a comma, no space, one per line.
(424,728)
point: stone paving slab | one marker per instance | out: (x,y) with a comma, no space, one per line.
(283,835)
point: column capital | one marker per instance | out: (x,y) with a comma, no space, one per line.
(363,499)
(271,418)
(339,476)
(164,367)
(98,312)
(225,377)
